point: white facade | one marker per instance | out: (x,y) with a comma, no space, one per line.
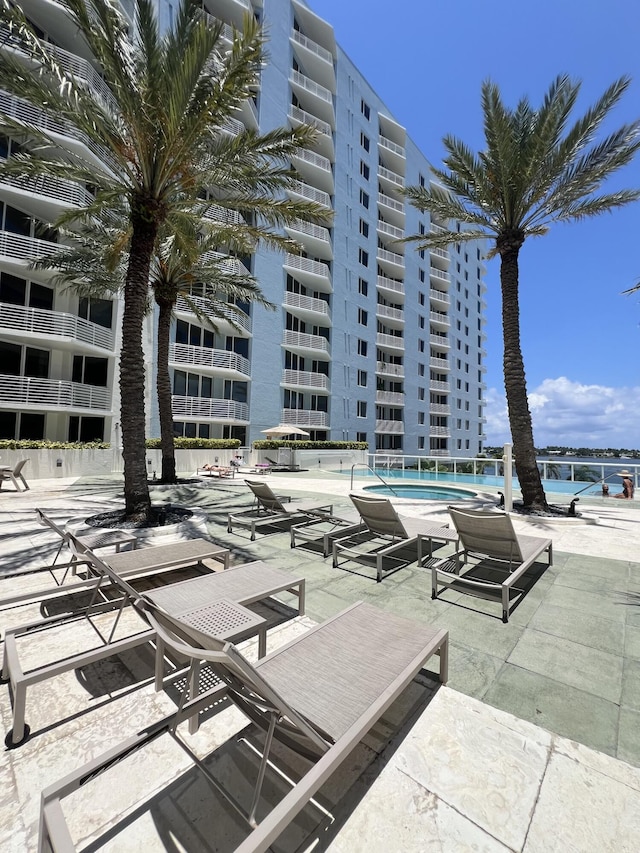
(371,340)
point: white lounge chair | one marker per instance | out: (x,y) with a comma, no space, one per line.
(271,509)
(14,474)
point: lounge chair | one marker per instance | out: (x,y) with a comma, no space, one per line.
(14,474)
(319,695)
(323,532)
(387,538)
(108,592)
(501,557)
(221,471)
(270,509)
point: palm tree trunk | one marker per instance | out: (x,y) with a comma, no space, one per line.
(132,370)
(163,387)
(524,451)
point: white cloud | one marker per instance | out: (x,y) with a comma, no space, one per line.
(570,414)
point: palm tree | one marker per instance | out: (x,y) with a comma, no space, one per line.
(171,99)
(533,172)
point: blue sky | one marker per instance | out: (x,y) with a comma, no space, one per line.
(579,333)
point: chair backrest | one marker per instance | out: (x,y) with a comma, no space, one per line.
(45,521)
(101,566)
(265,496)
(487,533)
(246,687)
(379,515)
(18,469)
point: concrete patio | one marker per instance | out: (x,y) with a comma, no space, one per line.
(532,746)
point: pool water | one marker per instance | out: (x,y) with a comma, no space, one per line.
(422,493)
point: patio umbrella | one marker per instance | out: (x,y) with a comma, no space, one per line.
(284,429)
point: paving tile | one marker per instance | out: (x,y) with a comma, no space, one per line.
(607,635)
(632,641)
(631,684)
(599,604)
(556,706)
(628,739)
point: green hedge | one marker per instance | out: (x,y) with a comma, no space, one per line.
(198,443)
(28,444)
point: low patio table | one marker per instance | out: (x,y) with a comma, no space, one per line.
(434,533)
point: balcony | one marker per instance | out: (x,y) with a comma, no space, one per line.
(440,409)
(307,307)
(298,188)
(390,427)
(440,258)
(198,408)
(304,344)
(436,385)
(314,168)
(396,288)
(305,379)
(55,327)
(390,398)
(51,394)
(28,114)
(392,153)
(439,319)
(392,209)
(389,230)
(439,297)
(315,238)
(394,316)
(439,275)
(21,251)
(396,371)
(313,273)
(47,196)
(393,342)
(319,98)
(231,266)
(214,361)
(439,363)
(315,58)
(305,418)
(393,179)
(224,311)
(440,341)
(391,260)
(324,139)
(223,215)
(440,432)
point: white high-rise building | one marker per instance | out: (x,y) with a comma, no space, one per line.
(371,341)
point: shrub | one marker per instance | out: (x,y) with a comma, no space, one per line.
(198,443)
(32,444)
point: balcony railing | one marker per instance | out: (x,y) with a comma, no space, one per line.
(223,215)
(311,193)
(300,340)
(306,265)
(53,394)
(440,296)
(311,230)
(58,189)
(205,357)
(390,427)
(305,417)
(436,385)
(390,230)
(306,303)
(302,116)
(390,257)
(440,409)
(440,431)
(390,398)
(43,323)
(26,249)
(385,369)
(311,86)
(390,284)
(389,341)
(391,202)
(313,46)
(438,317)
(383,142)
(434,272)
(209,408)
(439,363)
(314,159)
(441,341)
(305,379)
(389,313)
(392,177)
(229,312)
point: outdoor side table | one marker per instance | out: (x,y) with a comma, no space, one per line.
(434,533)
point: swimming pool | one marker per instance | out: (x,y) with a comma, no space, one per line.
(423,493)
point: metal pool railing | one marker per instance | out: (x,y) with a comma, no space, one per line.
(375,473)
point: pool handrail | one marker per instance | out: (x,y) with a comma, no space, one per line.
(375,473)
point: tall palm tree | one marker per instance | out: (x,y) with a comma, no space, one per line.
(171,99)
(534,171)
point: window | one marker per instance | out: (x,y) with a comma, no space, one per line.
(363,287)
(362,409)
(364,199)
(420,321)
(364,141)
(420,393)
(421,275)
(363,317)
(420,369)
(420,417)
(362,378)
(421,180)
(361,436)
(364,228)
(98,311)
(364,170)
(365,110)
(421,442)
(362,347)
(363,257)
(421,299)
(421,346)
